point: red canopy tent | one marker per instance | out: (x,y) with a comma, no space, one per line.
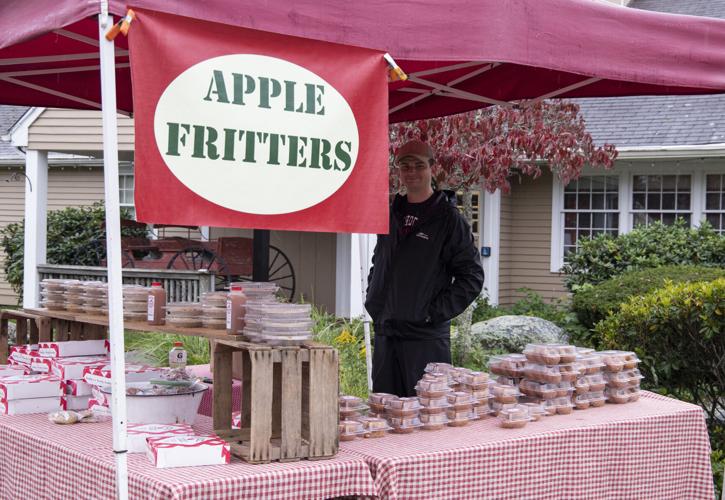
(459,55)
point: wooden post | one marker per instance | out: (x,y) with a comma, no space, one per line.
(222,403)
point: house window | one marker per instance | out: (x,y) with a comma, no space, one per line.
(715,201)
(661,198)
(591,207)
(125,188)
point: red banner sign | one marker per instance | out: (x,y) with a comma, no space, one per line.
(243,128)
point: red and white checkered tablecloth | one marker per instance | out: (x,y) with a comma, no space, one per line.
(655,448)
(42,460)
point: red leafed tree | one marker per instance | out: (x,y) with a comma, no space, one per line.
(485,149)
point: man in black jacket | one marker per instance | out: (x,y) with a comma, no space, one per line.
(425,272)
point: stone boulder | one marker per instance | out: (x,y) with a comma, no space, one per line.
(512,333)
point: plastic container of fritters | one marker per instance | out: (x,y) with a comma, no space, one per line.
(633,394)
(581,401)
(476,393)
(615,361)
(53,296)
(597,382)
(539,390)
(536,410)
(581,386)
(564,406)
(402,407)
(53,284)
(473,379)
(617,380)
(509,365)
(570,371)
(496,407)
(432,388)
(52,305)
(348,430)
(460,418)
(437,367)
(543,373)
(504,393)
(545,354)
(635,376)
(375,427)
(349,402)
(434,405)
(592,363)
(567,353)
(617,396)
(514,418)
(404,425)
(460,400)
(433,421)
(597,398)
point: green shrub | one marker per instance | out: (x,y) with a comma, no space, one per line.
(604,257)
(347,336)
(593,304)
(76,236)
(679,334)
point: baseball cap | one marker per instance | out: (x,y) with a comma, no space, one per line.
(416,149)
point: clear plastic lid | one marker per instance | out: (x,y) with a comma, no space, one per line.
(438,368)
(440,402)
(460,399)
(476,393)
(380,397)
(509,365)
(546,354)
(504,393)
(570,371)
(473,378)
(539,390)
(404,422)
(543,373)
(564,402)
(432,386)
(460,416)
(617,380)
(350,428)
(375,426)
(433,418)
(350,402)
(435,377)
(396,403)
(283,340)
(518,412)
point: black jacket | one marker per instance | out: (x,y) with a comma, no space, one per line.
(420,281)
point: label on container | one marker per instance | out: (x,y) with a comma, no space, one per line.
(151,308)
(229,314)
(177,358)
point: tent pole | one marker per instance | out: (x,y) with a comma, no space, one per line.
(363,252)
(113,250)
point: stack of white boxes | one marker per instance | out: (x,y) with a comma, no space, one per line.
(21,394)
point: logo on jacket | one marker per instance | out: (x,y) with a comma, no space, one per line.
(422,235)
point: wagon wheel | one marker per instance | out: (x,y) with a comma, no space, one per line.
(281,272)
(195,258)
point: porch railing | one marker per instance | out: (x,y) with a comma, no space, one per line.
(180,286)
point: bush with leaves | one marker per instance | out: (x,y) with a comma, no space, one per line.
(76,236)
(679,334)
(593,304)
(604,257)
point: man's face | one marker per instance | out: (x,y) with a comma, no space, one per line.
(415,174)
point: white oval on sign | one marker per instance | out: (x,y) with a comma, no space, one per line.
(256,134)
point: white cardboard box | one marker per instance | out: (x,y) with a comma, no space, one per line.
(6,370)
(188,451)
(74,402)
(75,388)
(101,375)
(29,386)
(137,434)
(72,368)
(22,354)
(72,348)
(31,405)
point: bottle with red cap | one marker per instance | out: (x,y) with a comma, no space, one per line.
(177,356)
(156,304)
(235,309)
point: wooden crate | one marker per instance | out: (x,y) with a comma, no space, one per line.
(29,329)
(289,401)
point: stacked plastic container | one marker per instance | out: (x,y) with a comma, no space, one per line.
(432,390)
(52,294)
(476,384)
(74,296)
(550,373)
(589,385)
(622,376)
(259,292)
(503,397)
(184,314)
(403,414)
(376,402)
(214,310)
(508,368)
(95,298)
(135,302)
(352,410)
(278,324)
